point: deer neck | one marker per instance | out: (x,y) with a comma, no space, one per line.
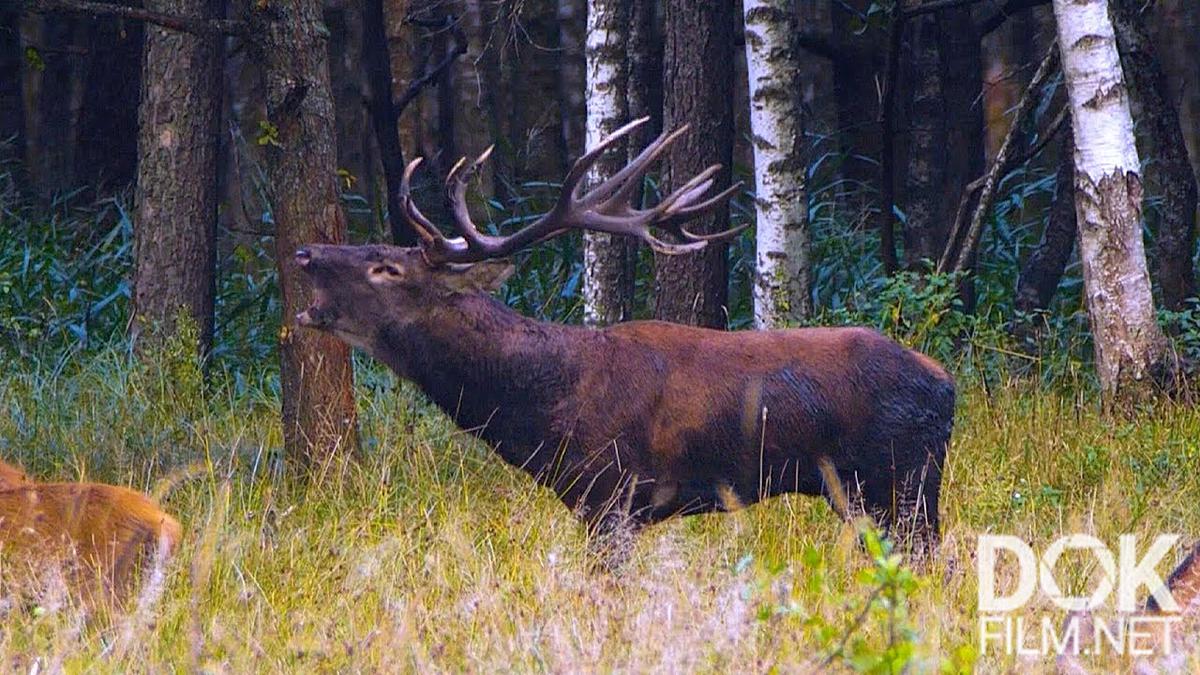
(488,367)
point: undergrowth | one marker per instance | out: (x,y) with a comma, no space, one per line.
(432,554)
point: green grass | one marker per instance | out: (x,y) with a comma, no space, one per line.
(431,554)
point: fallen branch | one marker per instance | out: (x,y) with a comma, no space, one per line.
(991,180)
(183,24)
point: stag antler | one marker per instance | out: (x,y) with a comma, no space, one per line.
(606,207)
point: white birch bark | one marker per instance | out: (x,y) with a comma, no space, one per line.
(607,274)
(1132,354)
(782,287)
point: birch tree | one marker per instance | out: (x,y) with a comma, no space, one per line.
(1132,354)
(607,260)
(782,271)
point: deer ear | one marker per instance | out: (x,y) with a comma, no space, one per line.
(487,276)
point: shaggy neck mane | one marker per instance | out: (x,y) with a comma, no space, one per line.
(495,372)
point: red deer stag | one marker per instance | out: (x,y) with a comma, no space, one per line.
(98,535)
(642,421)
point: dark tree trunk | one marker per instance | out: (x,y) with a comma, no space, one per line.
(345,21)
(49,94)
(857,72)
(572,79)
(176,221)
(924,204)
(698,62)
(12,116)
(315,373)
(645,93)
(108,118)
(1047,261)
(378,64)
(946,121)
(1171,173)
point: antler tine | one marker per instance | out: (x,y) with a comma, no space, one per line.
(417,220)
(579,169)
(456,191)
(621,185)
(605,208)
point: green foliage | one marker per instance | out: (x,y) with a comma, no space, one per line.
(433,554)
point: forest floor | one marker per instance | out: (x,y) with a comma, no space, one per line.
(432,555)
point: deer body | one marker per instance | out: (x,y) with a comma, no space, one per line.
(91,531)
(646,420)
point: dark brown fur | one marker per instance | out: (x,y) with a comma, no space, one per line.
(648,420)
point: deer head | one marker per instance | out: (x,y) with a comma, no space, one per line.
(358,289)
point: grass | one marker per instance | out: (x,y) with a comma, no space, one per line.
(432,555)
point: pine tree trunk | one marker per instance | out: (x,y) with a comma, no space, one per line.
(782,288)
(12,116)
(925,229)
(178,141)
(1048,260)
(572,78)
(1171,173)
(315,373)
(1133,357)
(698,63)
(607,272)
(377,63)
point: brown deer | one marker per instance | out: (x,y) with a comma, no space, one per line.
(645,420)
(97,535)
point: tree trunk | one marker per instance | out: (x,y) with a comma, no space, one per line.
(49,92)
(377,62)
(1132,354)
(572,78)
(12,116)
(108,116)
(1047,261)
(315,372)
(926,223)
(1171,173)
(1177,37)
(857,75)
(782,289)
(607,268)
(176,223)
(697,90)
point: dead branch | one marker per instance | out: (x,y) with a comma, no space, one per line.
(184,24)
(991,180)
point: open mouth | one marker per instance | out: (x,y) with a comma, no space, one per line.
(319,314)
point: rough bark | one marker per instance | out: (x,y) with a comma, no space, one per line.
(857,67)
(51,93)
(1133,357)
(377,63)
(346,24)
(108,117)
(924,205)
(698,62)
(1044,268)
(12,116)
(1171,173)
(782,287)
(572,78)
(315,371)
(607,268)
(176,221)
(1177,35)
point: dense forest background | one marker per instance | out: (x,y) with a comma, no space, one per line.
(935,142)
